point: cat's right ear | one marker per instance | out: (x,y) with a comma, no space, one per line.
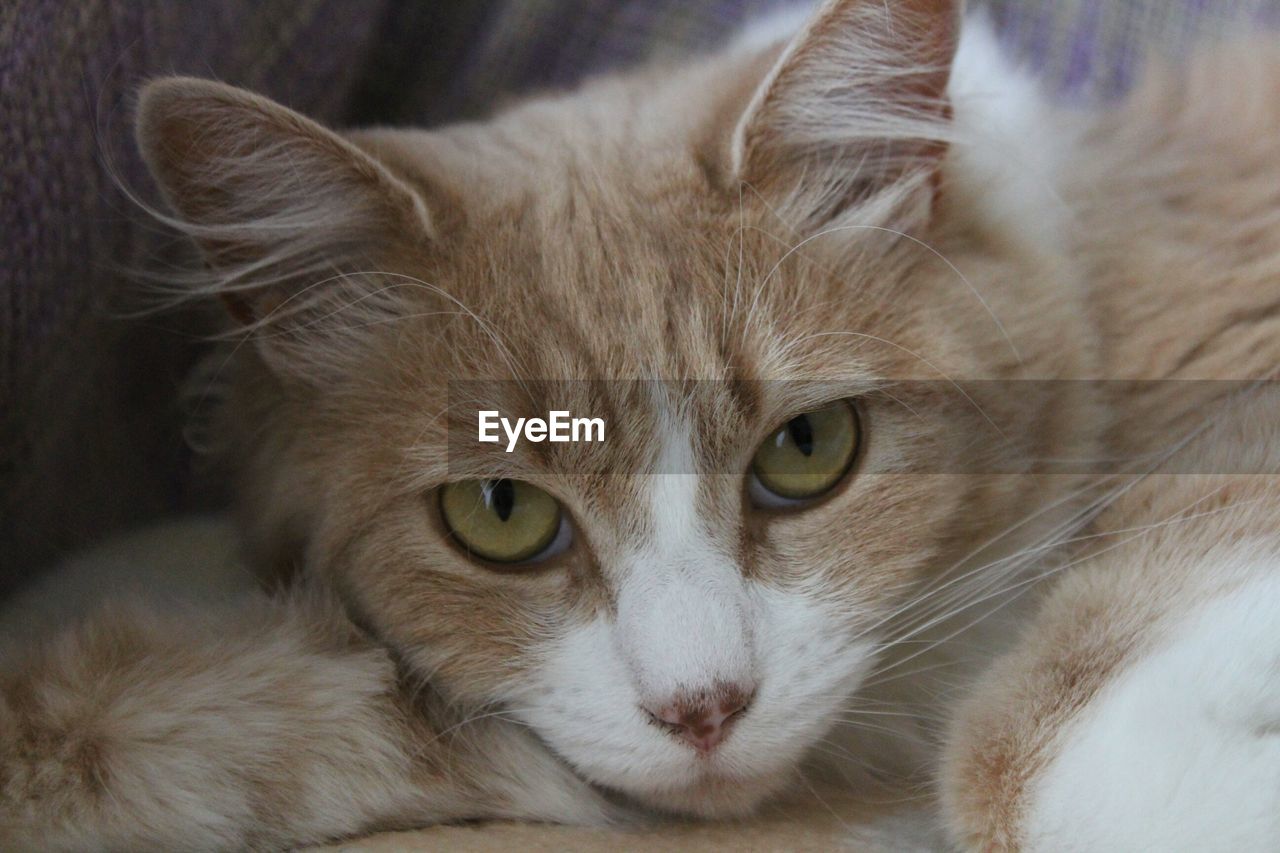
(853,117)
(275,201)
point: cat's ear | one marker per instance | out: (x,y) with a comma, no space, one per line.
(854,114)
(275,201)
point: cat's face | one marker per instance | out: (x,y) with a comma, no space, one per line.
(677,579)
(674,623)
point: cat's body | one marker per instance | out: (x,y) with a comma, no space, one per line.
(786,226)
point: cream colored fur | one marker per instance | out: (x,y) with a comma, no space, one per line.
(878,208)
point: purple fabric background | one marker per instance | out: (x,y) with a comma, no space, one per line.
(89,433)
(1082,48)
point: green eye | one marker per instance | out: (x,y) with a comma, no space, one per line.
(505,521)
(807,456)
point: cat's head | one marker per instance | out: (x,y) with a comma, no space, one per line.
(746,261)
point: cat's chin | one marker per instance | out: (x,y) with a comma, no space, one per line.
(714,796)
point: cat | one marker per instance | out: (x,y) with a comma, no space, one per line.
(870,325)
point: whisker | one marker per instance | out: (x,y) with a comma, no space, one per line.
(1022,586)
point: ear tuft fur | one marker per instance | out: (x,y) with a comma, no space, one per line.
(273,199)
(855,107)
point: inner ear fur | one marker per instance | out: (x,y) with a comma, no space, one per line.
(271,197)
(855,105)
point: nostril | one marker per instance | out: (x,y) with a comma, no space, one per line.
(702,719)
(664,718)
(736,703)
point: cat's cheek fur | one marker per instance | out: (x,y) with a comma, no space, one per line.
(588,708)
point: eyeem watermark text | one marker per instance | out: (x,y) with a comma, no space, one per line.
(559,426)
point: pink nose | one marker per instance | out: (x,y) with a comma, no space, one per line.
(703,720)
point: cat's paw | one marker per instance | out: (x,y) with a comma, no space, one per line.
(1181,751)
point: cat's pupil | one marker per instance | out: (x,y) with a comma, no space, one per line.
(801,432)
(502,498)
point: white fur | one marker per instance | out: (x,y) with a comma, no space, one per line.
(1008,150)
(778,25)
(682,620)
(1182,752)
(587,707)
(687,619)
(1008,147)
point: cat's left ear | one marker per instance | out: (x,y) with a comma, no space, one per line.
(854,114)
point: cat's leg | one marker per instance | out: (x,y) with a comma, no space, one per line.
(1140,712)
(266,725)
(1141,706)
(1182,750)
